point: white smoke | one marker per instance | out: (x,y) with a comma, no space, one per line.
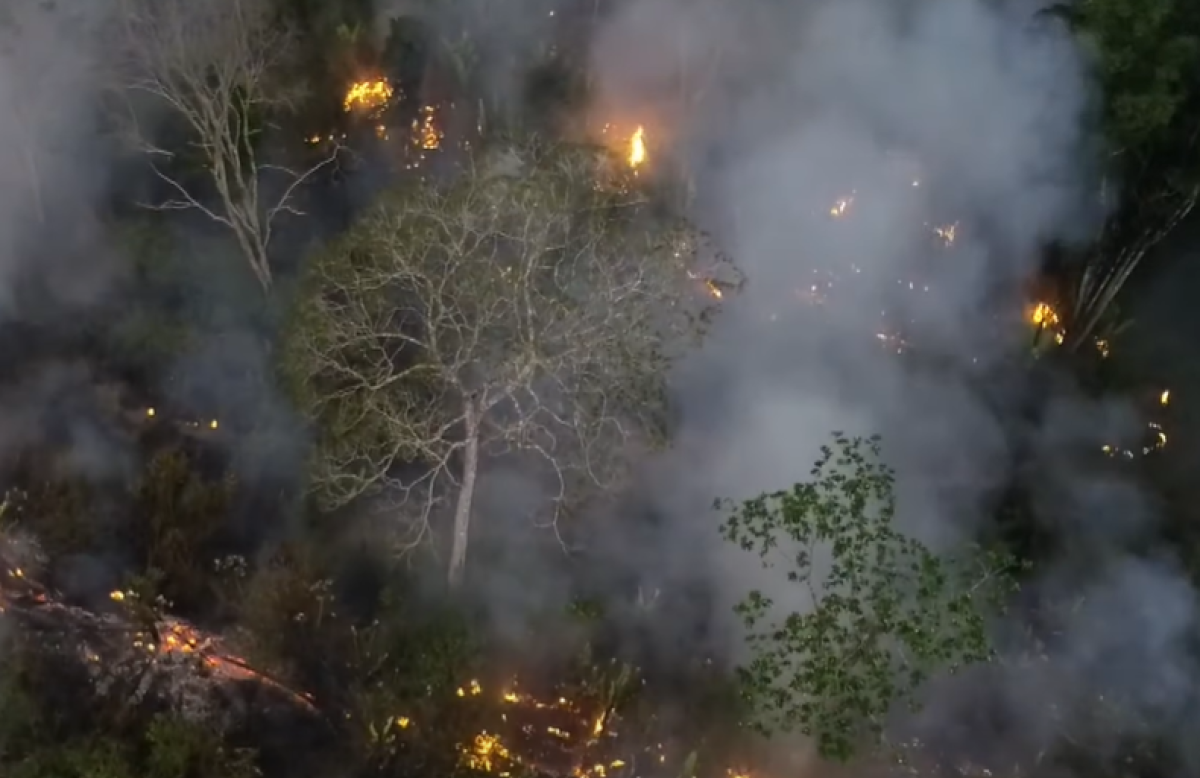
(921,113)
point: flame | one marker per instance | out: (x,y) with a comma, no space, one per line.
(637,147)
(1165,397)
(1043,317)
(367,96)
(486,753)
(425,133)
(711,287)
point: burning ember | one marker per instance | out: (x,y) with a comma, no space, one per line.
(426,134)
(947,233)
(1044,318)
(637,148)
(123,642)
(711,287)
(554,737)
(367,96)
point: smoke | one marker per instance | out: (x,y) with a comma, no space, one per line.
(51,165)
(912,115)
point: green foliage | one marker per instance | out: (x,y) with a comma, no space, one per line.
(1148,52)
(177,515)
(41,738)
(179,749)
(881,612)
(540,265)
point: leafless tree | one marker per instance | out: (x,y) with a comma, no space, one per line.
(527,311)
(217,66)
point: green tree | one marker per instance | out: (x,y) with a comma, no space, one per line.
(528,311)
(881,612)
(1147,57)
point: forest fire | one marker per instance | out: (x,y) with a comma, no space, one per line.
(367,96)
(175,638)
(131,638)
(550,737)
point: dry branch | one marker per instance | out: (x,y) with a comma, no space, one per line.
(217,67)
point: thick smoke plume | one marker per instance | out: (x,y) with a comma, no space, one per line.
(901,118)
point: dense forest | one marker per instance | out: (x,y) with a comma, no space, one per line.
(598,388)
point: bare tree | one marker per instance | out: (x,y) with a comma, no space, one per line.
(216,65)
(527,311)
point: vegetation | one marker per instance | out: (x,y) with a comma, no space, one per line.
(523,313)
(238,506)
(880,612)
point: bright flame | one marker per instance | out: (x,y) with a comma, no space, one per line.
(1042,315)
(1165,397)
(637,147)
(367,96)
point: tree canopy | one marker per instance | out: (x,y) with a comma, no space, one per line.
(879,612)
(529,308)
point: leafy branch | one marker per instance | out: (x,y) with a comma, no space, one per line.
(870,614)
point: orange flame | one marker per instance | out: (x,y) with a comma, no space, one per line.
(637,147)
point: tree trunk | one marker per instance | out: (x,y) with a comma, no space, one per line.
(466,494)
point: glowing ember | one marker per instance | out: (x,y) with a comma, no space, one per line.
(637,148)
(426,134)
(1043,317)
(367,96)
(947,233)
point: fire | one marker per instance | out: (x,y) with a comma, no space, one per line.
(1165,397)
(367,96)
(710,286)
(637,148)
(1043,317)
(486,754)
(426,134)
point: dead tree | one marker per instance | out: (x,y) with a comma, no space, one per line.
(528,311)
(217,67)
